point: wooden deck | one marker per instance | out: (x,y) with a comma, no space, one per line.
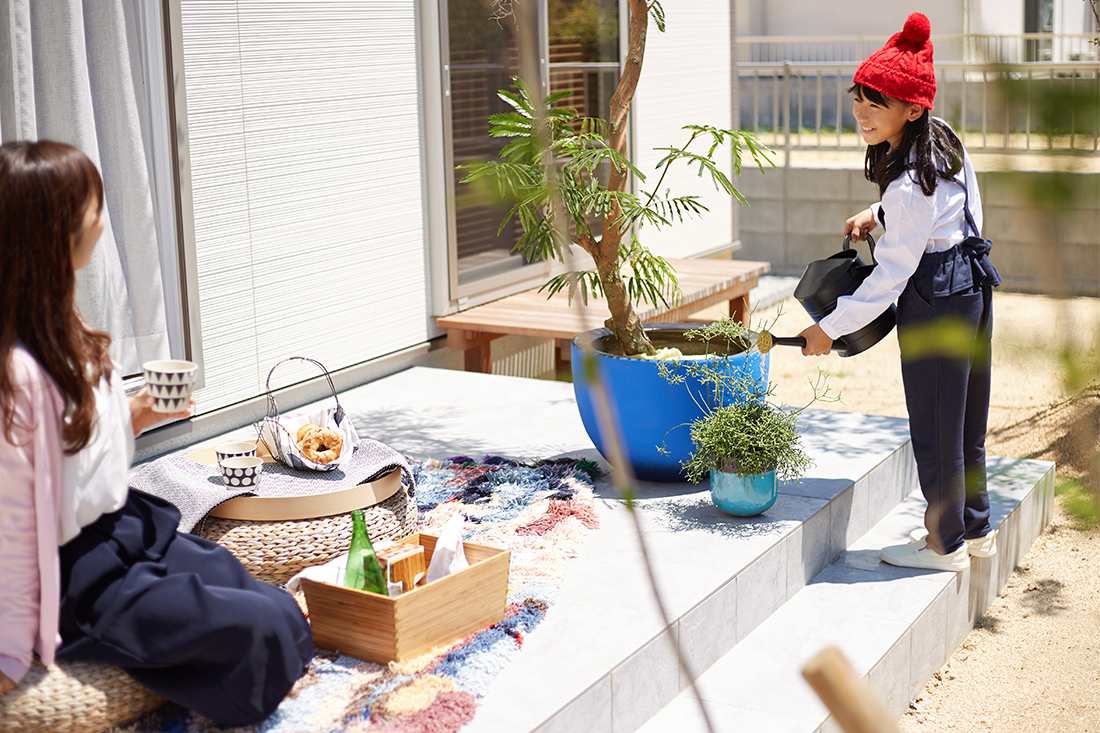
(704,283)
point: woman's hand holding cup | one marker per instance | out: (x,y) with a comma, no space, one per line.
(143,416)
(167,393)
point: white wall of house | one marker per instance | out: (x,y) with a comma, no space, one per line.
(687,78)
(1005,17)
(885,17)
(845,17)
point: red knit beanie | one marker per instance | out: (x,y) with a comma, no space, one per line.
(902,69)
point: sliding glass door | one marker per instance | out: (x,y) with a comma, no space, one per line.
(578,51)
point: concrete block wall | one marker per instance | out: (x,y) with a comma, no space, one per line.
(1045,226)
(1045,229)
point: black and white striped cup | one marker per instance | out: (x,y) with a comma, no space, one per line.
(170,383)
(234,450)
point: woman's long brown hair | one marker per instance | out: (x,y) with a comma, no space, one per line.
(45,187)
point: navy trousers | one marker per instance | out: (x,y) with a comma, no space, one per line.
(180,614)
(945,326)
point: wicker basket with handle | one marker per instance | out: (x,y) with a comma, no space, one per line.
(281,442)
(277,537)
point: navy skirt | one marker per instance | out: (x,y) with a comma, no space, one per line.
(180,614)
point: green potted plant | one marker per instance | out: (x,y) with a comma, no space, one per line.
(568,181)
(743,442)
(553,169)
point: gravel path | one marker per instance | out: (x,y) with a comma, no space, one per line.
(1033,663)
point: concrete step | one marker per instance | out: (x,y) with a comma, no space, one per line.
(897,626)
(603,660)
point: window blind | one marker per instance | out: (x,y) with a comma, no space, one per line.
(303,124)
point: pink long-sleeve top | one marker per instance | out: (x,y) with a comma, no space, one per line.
(46,498)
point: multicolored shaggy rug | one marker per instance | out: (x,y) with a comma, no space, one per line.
(540,512)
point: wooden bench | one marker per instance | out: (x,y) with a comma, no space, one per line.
(704,283)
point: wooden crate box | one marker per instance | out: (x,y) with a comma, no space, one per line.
(377,628)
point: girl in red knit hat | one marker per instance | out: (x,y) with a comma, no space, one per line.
(933,261)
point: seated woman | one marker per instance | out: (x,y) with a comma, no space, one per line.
(92,570)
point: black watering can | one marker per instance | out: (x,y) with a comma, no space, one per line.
(824,281)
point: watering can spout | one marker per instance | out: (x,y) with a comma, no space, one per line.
(765,342)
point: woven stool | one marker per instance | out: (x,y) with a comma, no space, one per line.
(74,697)
(274,552)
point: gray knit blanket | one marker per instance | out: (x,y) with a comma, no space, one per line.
(195,489)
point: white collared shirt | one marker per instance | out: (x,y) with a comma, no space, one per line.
(94,481)
(915,224)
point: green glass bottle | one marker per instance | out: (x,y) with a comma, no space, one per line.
(363,571)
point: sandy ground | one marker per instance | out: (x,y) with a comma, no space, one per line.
(1033,663)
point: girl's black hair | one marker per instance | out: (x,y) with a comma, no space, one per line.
(938,151)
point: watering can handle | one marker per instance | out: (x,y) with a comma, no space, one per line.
(870,243)
(800,341)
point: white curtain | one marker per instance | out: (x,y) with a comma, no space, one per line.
(70,71)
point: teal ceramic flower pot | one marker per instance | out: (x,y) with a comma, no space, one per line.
(743,496)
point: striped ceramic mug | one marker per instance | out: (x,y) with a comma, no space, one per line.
(170,383)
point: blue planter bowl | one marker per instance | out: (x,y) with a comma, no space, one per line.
(743,496)
(650,411)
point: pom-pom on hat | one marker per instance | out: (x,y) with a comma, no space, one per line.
(903,69)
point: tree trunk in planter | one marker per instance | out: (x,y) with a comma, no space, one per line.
(624,322)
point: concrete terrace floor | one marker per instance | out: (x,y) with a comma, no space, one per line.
(602,659)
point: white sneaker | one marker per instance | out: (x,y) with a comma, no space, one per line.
(919,555)
(978,547)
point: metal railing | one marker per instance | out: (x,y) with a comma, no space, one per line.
(993,107)
(969,48)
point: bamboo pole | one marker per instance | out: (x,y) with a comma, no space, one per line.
(854,705)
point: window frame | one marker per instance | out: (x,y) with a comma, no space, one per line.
(449,295)
(163,96)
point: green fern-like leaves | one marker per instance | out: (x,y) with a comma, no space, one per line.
(648,279)
(740,431)
(576,284)
(651,279)
(552,170)
(658,14)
